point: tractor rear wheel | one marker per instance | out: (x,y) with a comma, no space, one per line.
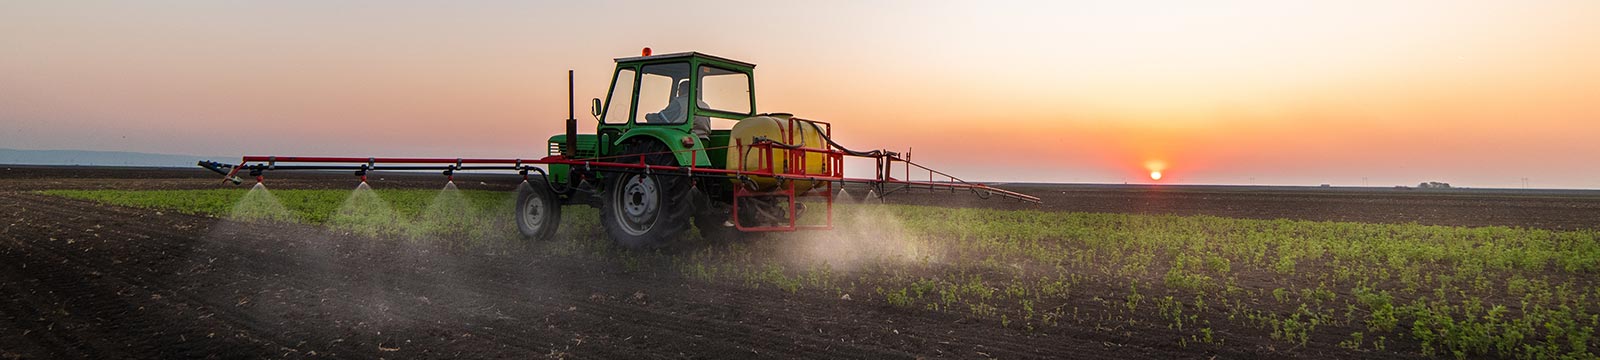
(641,211)
(538,210)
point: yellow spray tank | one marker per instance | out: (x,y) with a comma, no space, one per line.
(776,127)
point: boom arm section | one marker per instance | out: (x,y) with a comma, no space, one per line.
(763,149)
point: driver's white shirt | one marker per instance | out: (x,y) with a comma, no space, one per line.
(678,108)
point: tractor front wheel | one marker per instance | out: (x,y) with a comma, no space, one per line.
(538,210)
(641,211)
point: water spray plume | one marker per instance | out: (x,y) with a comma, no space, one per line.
(258,204)
(864,234)
(364,212)
(449,215)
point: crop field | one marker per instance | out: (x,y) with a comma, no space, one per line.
(180,270)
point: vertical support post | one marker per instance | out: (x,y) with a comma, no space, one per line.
(886,166)
(738,187)
(794,217)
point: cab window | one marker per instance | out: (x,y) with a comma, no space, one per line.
(663,94)
(724,90)
(621,99)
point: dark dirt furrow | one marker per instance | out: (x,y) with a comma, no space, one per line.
(136,276)
(660,323)
(114,301)
(266,267)
(668,323)
(403,279)
(730,335)
(28,317)
(583,290)
(162,285)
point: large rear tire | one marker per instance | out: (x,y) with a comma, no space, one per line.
(642,211)
(538,211)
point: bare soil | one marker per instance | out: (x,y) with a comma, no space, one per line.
(84,280)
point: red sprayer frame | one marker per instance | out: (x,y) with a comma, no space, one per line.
(831,173)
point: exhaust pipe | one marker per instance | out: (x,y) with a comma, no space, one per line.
(572,123)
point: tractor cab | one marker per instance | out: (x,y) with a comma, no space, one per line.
(685,101)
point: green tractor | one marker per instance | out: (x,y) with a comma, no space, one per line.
(660,108)
(659,162)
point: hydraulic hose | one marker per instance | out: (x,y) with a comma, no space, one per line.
(836,145)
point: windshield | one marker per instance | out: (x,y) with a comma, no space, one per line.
(663,94)
(621,98)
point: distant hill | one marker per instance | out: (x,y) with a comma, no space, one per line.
(102,158)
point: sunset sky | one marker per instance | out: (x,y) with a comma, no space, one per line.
(1474,93)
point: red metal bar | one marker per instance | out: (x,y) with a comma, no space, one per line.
(313,159)
(767,171)
(833,170)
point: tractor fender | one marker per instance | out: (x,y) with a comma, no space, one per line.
(673,137)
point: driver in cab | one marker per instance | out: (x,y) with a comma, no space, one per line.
(678,108)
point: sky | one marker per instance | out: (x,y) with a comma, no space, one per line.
(1379,93)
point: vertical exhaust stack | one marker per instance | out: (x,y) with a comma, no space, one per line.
(572,123)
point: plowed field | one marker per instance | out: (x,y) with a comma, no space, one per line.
(81,279)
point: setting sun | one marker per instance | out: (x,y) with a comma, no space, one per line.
(1155,167)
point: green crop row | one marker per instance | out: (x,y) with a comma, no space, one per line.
(410,213)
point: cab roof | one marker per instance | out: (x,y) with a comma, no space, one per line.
(683,55)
